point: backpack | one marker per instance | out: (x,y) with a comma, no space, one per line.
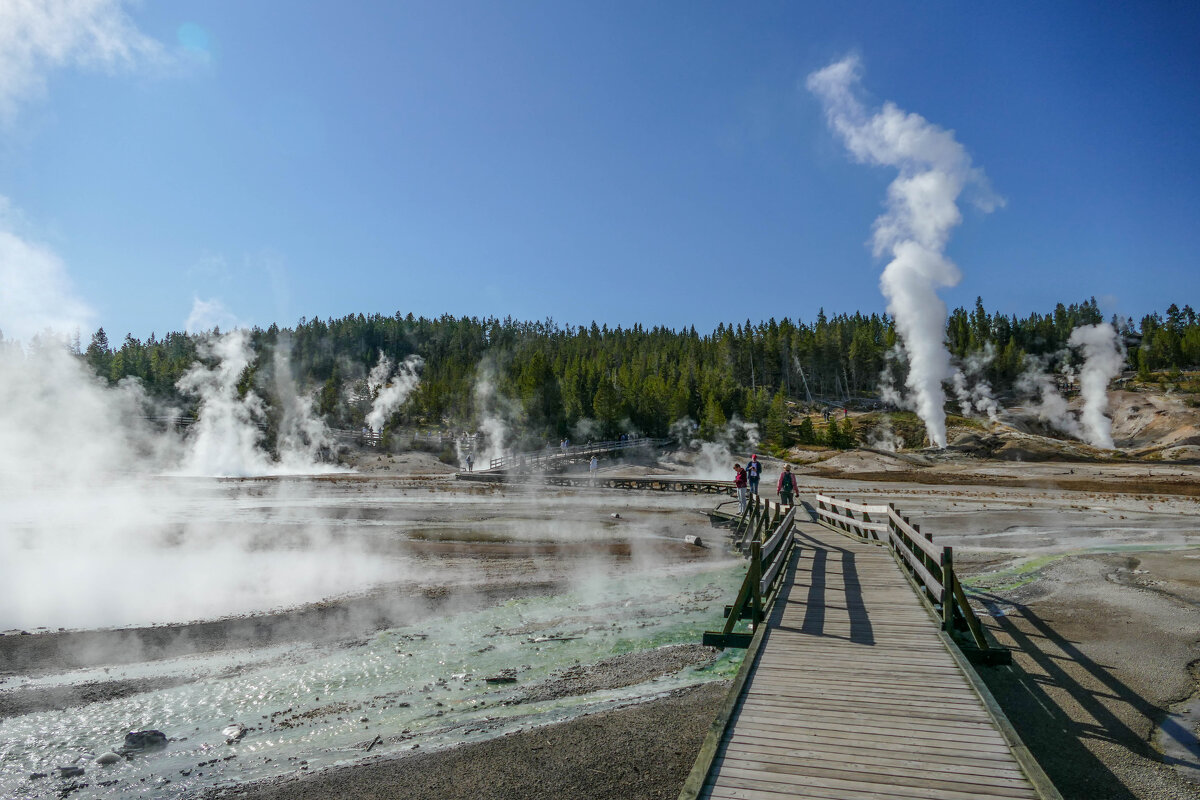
(789,482)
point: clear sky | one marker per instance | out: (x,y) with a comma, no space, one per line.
(622,162)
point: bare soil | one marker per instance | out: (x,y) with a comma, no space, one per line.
(641,751)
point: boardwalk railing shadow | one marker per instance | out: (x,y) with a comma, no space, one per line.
(1058,739)
(818,599)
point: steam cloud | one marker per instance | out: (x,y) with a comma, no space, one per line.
(391,394)
(934,170)
(1048,404)
(977,398)
(1103,358)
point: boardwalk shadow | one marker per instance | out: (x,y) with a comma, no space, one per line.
(1032,699)
(821,599)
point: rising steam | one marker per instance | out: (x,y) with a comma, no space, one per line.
(391,390)
(225,438)
(1103,358)
(973,391)
(1038,383)
(922,210)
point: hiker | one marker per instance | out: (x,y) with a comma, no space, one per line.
(593,468)
(753,473)
(470,462)
(739,483)
(786,486)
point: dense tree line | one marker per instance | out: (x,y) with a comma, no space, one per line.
(544,378)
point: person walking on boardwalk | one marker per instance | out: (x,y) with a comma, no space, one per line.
(593,468)
(753,473)
(739,483)
(786,486)
(470,462)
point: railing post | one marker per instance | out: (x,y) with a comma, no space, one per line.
(948,589)
(756,589)
(926,560)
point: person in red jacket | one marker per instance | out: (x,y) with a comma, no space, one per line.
(786,486)
(739,483)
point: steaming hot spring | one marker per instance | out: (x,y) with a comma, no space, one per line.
(275,624)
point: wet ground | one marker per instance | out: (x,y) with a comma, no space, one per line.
(474,614)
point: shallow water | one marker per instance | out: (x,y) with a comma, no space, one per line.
(309,706)
(1178,737)
(248,546)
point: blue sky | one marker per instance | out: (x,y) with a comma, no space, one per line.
(620,162)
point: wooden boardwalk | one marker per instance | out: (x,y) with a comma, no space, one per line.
(855,694)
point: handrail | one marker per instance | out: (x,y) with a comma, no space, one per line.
(769,551)
(552,453)
(930,566)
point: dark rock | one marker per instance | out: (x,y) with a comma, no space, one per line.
(69,772)
(33,776)
(141,740)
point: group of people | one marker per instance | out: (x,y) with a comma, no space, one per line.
(745,480)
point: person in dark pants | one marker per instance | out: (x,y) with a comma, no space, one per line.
(739,483)
(787,485)
(753,473)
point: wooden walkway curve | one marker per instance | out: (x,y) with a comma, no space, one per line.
(854,693)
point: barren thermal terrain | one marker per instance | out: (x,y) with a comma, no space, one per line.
(586,624)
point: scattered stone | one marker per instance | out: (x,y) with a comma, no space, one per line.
(105,759)
(693,540)
(33,776)
(70,772)
(234,732)
(615,516)
(141,740)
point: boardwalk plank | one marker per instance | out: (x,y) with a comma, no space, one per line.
(855,697)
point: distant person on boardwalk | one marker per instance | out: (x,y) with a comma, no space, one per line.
(739,483)
(470,462)
(593,468)
(787,485)
(753,473)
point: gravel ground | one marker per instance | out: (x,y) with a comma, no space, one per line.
(1097,659)
(638,752)
(625,670)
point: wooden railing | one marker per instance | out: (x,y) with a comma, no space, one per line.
(930,566)
(766,529)
(540,458)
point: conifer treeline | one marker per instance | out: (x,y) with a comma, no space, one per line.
(546,377)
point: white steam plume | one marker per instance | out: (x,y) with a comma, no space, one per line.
(390,395)
(493,411)
(883,437)
(1103,359)
(224,441)
(1046,401)
(888,392)
(303,440)
(934,170)
(736,442)
(977,398)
